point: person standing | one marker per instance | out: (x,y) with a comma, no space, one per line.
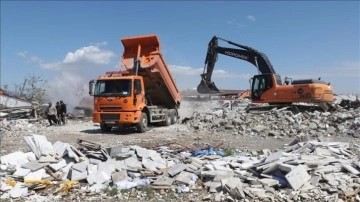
(51,114)
(62,111)
(58,113)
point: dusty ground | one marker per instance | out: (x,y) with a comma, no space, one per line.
(178,134)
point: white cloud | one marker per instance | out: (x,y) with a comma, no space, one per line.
(90,54)
(22,54)
(251,18)
(235,23)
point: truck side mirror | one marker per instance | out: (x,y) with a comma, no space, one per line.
(91,87)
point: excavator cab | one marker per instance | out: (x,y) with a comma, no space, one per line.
(260,84)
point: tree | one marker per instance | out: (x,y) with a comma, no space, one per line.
(31,89)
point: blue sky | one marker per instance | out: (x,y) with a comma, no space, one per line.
(68,43)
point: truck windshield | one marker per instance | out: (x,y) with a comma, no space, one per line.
(113,88)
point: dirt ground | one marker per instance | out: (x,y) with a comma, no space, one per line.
(177,134)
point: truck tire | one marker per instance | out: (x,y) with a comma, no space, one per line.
(174,116)
(167,120)
(105,128)
(143,124)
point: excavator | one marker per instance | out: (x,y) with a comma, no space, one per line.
(267,86)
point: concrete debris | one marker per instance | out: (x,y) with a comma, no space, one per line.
(301,170)
(278,123)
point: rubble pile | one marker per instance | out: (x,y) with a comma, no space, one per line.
(278,122)
(302,170)
(18,127)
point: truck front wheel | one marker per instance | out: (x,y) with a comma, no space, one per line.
(143,124)
(105,128)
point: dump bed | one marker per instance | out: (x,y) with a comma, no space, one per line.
(160,86)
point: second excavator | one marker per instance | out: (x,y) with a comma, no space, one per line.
(267,86)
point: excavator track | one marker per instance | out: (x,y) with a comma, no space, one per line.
(296,108)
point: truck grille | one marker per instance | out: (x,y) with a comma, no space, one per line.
(110,108)
(110,117)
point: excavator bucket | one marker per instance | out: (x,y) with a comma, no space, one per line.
(207,88)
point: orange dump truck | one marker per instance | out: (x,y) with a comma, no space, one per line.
(143,94)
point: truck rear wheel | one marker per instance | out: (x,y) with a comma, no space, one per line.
(167,121)
(174,116)
(143,124)
(105,128)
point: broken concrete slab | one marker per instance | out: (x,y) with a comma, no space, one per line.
(119,176)
(60,148)
(21,172)
(351,169)
(59,165)
(297,177)
(16,158)
(36,175)
(34,165)
(82,166)
(186,178)
(163,181)
(99,177)
(177,168)
(78,175)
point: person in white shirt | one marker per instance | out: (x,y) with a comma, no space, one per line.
(51,114)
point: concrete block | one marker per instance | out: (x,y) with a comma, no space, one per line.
(177,168)
(219,163)
(186,178)
(163,181)
(297,177)
(99,177)
(82,166)
(197,161)
(34,165)
(59,165)
(66,171)
(233,182)
(286,167)
(43,144)
(258,192)
(60,148)
(142,152)
(91,168)
(273,157)
(72,154)
(30,142)
(149,164)
(133,163)
(78,175)
(16,158)
(215,187)
(36,175)
(322,152)
(119,176)
(114,150)
(351,169)
(237,193)
(108,167)
(18,191)
(49,159)
(269,182)
(315,180)
(94,161)
(21,172)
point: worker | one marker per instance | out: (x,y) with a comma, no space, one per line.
(62,111)
(58,113)
(51,114)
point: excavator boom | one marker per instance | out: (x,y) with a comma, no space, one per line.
(258,59)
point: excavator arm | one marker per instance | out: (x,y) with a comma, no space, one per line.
(258,59)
